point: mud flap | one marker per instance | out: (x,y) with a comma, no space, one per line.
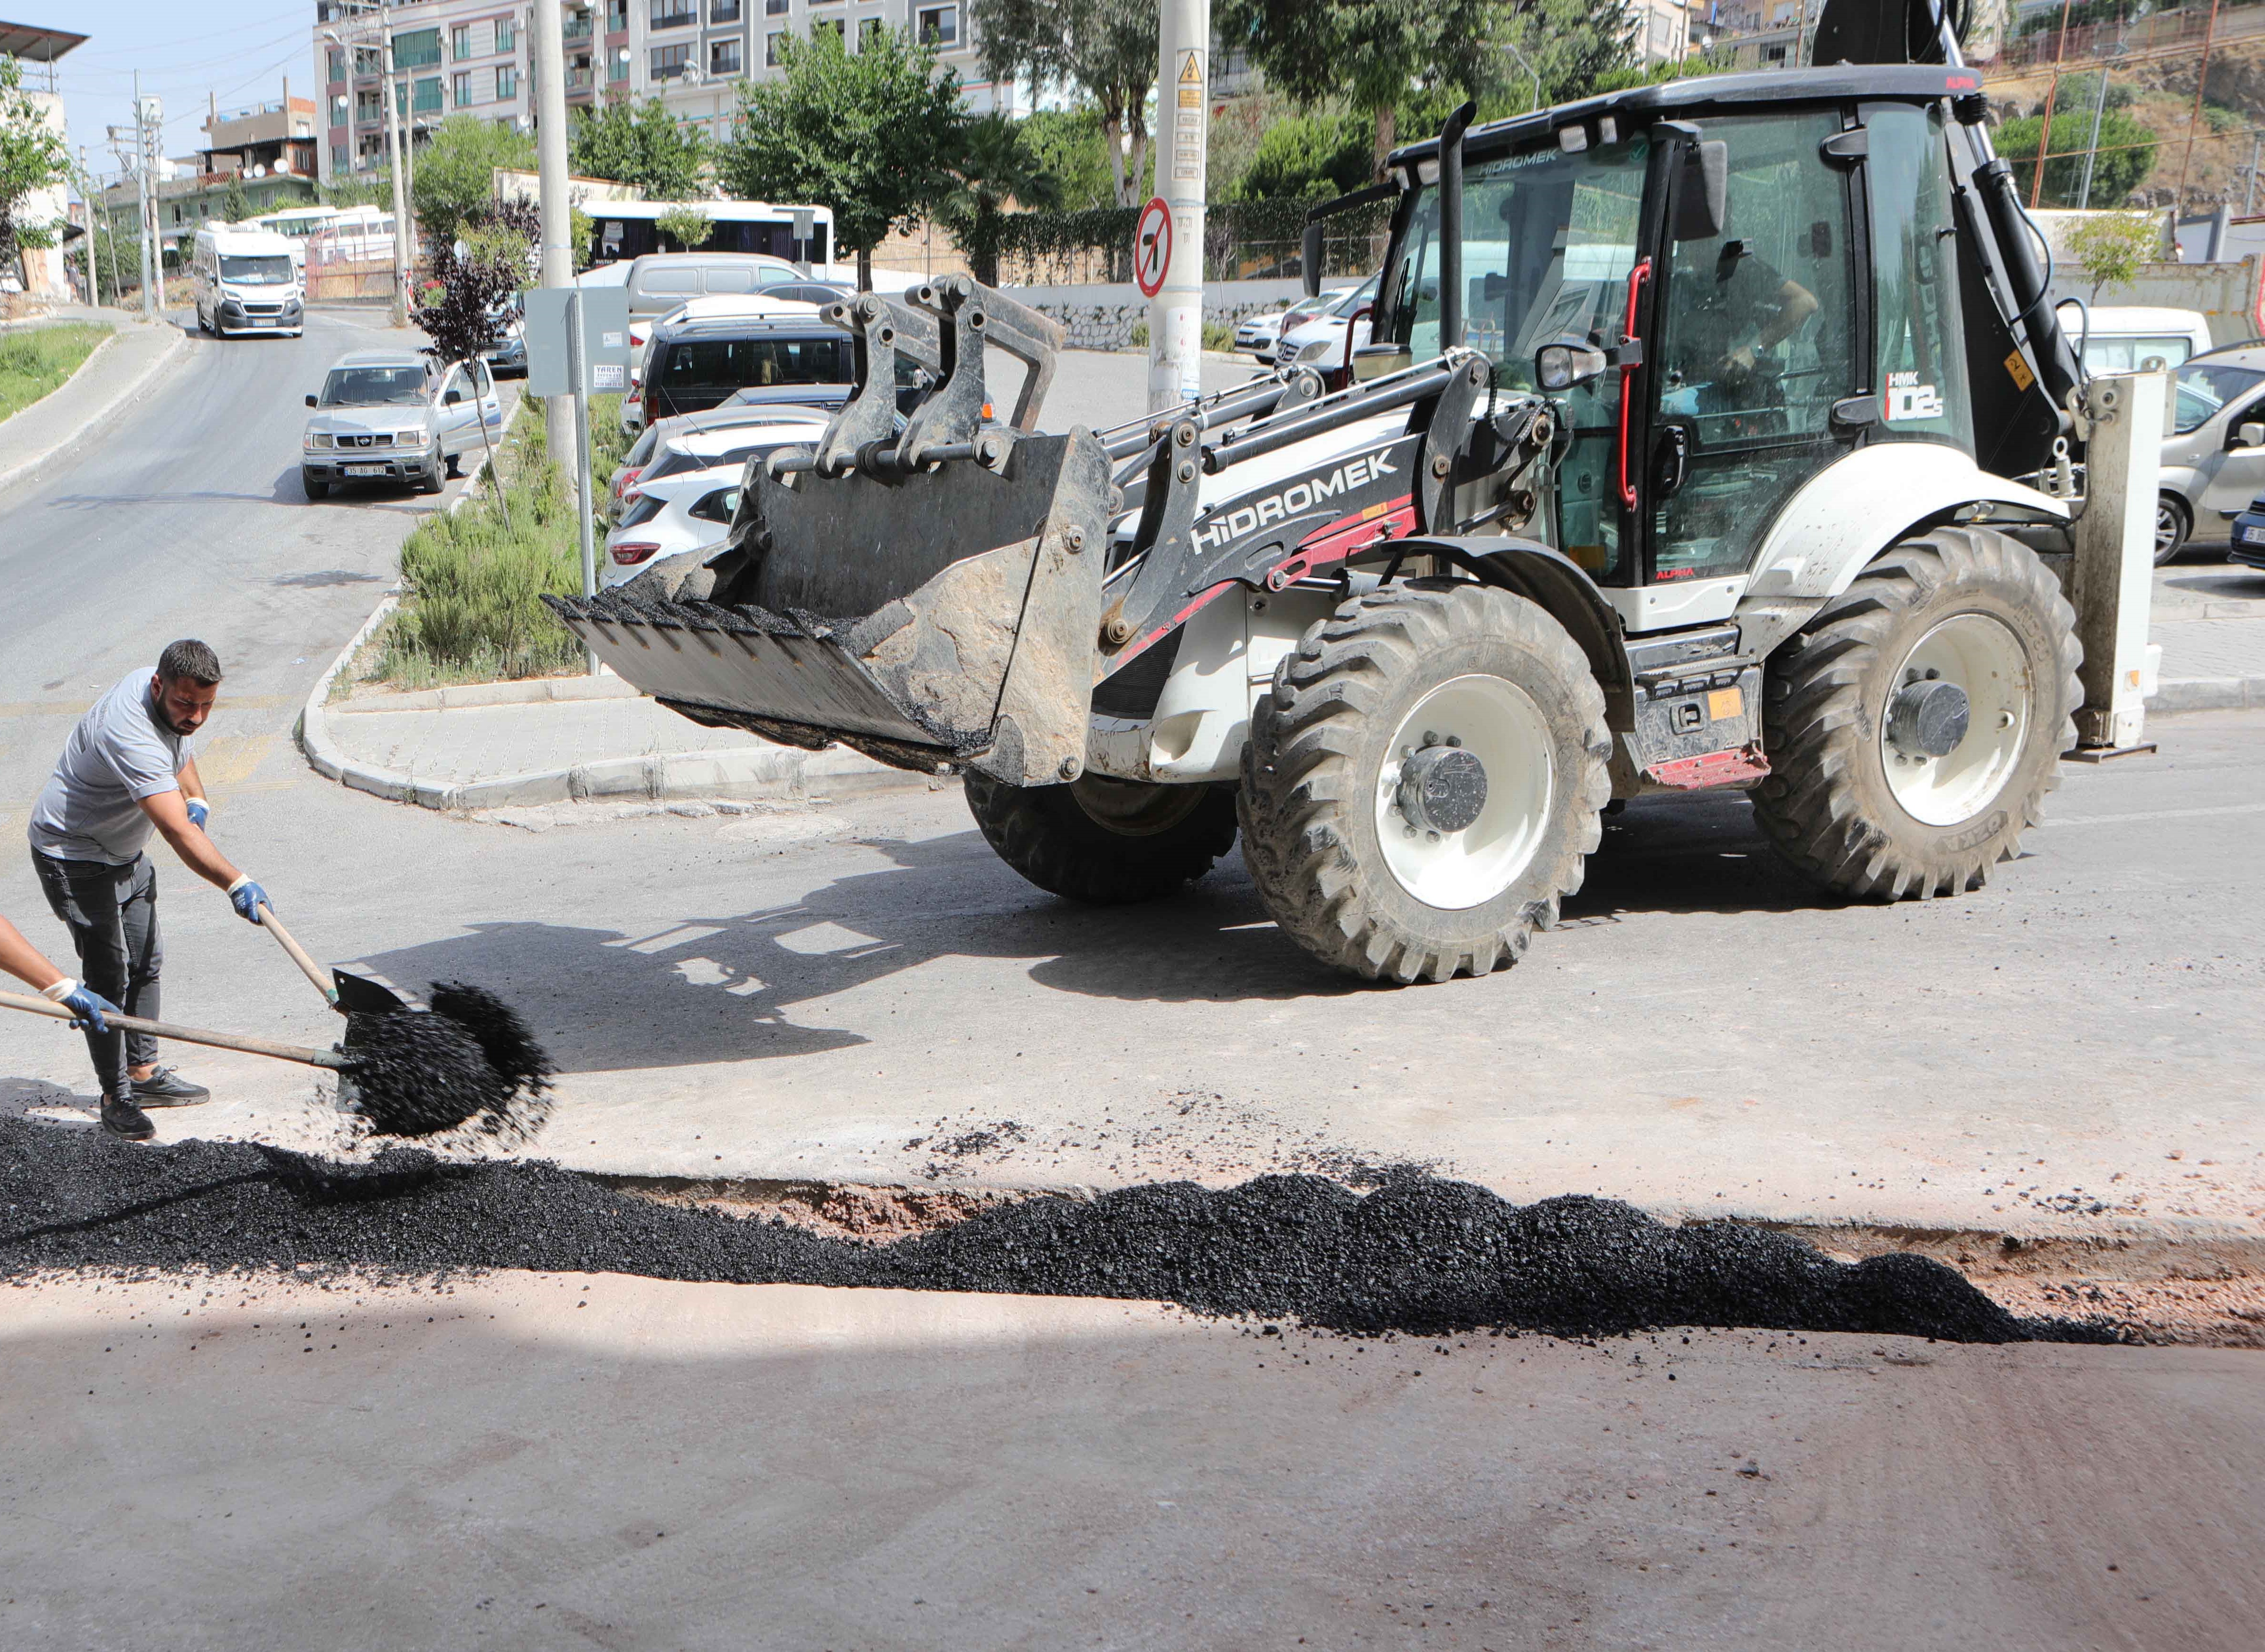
(976,598)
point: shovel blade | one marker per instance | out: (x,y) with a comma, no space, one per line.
(365,994)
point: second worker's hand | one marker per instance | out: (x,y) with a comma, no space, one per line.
(200,812)
(247,898)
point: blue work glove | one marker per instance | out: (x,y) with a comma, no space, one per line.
(247,898)
(83,1001)
(200,812)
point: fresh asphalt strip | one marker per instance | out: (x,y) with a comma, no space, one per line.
(1418,1254)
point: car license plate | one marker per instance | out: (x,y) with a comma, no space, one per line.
(263,321)
(365,469)
(2253,536)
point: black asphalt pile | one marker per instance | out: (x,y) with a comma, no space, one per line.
(1419,1255)
(471,1064)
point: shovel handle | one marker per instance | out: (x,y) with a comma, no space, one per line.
(187,1035)
(313,971)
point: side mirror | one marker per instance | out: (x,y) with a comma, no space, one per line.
(2250,435)
(1702,198)
(1568,364)
(1309,261)
(452,398)
(310,401)
(1378,360)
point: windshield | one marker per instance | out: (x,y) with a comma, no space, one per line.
(1548,241)
(2205,387)
(261,270)
(374,387)
(1365,293)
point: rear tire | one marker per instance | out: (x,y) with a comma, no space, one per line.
(1845,803)
(1105,842)
(2173,522)
(1333,850)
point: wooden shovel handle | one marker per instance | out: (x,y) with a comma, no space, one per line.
(313,971)
(187,1035)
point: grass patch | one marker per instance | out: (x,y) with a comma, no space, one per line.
(34,360)
(472,610)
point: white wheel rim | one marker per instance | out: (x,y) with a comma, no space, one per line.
(2166,525)
(1498,723)
(1984,659)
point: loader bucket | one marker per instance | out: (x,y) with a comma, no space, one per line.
(933,618)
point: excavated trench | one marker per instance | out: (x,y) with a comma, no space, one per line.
(1417,1255)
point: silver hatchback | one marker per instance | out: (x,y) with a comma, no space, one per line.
(396,416)
(2213,445)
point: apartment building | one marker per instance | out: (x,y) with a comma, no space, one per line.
(474,57)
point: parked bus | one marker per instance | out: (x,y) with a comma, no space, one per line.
(294,224)
(621,230)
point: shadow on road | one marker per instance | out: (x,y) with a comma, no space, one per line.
(726,985)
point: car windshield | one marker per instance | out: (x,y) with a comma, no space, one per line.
(676,461)
(1362,293)
(1548,242)
(262,269)
(2205,387)
(374,387)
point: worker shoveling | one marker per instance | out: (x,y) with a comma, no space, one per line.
(468,1064)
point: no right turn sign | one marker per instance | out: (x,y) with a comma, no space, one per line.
(1151,247)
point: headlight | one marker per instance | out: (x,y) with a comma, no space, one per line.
(320,439)
(1320,348)
(414,439)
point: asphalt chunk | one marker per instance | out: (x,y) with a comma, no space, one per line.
(1420,1254)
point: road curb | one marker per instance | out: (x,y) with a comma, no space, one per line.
(750,773)
(2208,693)
(126,395)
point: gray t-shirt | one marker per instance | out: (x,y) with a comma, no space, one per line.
(120,753)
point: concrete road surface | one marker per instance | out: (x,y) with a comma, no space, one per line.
(567,1462)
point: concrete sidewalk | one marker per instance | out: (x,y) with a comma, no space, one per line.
(2209,618)
(119,372)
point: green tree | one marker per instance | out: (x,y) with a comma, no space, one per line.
(455,171)
(1106,49)
(993,167)
(687,226)
(463,315)
(1315,154)
(1368,53)
(869,135)
(32,158)
(234,205)
(2110,246)
(1069,144)
(2127,155)
(641,144)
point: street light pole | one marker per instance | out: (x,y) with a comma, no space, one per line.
(1530,70)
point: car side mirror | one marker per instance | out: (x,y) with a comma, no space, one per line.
(310,401)
(452,398)
(1377,360)
(1702,204)
(2250,435)
(1568,364)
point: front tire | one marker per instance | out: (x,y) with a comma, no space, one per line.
(2173,522)
(1859,800)
(1105,842)
(1338,804)
(315,486)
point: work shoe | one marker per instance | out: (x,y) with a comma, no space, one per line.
(121,1118)
(166,1088)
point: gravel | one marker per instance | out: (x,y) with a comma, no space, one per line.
(470,1065)
(1419,1254)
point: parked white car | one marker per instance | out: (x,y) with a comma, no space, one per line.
(1320,342)
(1261,335)
(389,415)
(701,442)
(687,491)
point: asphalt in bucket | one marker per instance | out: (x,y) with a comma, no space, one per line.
(1420,1254)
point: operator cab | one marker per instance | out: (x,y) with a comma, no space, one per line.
(1735,317)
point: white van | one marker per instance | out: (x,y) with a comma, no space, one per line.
(246,280)
(2135,338)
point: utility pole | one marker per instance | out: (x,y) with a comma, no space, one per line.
(2092,148)
(1182,134)
(2249,178)
(557,214)
(393,145)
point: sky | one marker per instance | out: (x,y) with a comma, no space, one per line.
(237,50)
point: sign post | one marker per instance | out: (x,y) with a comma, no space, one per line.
(1182,134)
(577,345)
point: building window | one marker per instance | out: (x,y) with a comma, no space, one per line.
(617,16)
(460,89)
(507,33)
(937,26)
(774,8)
(724,57)
(674,14)
(507,80)
(339,107)
(337,65)
(338,158)
(460,41)
(774,48)
(871,30)
(825,26)
(366,59)
(577,27)
(428,97)
(419,48)
(723,11)
(617,66)
(669,62)
(368,109)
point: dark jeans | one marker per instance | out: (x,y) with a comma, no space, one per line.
(112,915)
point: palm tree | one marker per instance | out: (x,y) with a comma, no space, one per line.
(994,167)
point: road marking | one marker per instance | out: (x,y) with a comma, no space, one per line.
(229,758)
(2155,814)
